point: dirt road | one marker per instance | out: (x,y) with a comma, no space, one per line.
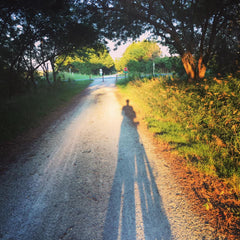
(91,176)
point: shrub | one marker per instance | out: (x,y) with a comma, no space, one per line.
(200,120)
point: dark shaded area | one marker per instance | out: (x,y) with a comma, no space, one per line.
(34,34)
(134,172)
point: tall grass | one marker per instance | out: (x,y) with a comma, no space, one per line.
(24,112)
(201,121)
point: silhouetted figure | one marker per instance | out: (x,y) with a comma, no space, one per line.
(129,112)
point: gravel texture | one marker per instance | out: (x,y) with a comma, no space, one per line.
(93,175)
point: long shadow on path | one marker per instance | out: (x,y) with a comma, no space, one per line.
(135,207)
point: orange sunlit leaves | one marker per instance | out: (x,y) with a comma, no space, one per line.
(217,80)
(218,141)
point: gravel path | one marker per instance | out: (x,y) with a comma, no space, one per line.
(92,176)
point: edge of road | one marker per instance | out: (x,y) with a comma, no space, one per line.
(194,185)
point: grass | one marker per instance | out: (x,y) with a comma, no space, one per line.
(75,76)
(24,112)
(201,120)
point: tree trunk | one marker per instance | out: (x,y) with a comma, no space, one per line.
(45,69)
(189,65)
(201,68)
(47,78)
(195,69)
(31,75)
(54,72)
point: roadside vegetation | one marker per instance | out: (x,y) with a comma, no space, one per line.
(22,112)
(87,61)
(200,120)
(139,57)
(195,109)
(190,100)
(66,76)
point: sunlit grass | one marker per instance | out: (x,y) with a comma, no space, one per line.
(201,120)
(75,76)
(67,77)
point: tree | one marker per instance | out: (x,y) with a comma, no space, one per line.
(87,61)
(138,53)
(33,33)
(189,28)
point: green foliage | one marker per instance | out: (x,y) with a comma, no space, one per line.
(169,65)
(122,80)
(137,55)
(88,63)
(196,30)
(225,61)
(33,34)
(137,66)
(23,112)
(200,121)
(66,76)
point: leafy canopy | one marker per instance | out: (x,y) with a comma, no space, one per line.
(139,52)
(87,61)
(33,33)
(193,29)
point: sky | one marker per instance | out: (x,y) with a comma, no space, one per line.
(115,54)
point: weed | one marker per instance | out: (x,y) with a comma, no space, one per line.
(200,120)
